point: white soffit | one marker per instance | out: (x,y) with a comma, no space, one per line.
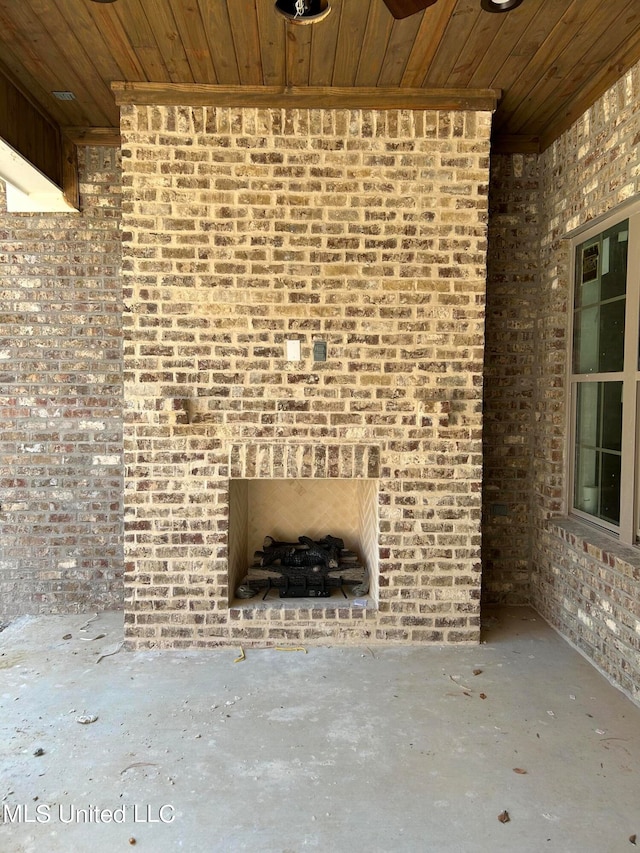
(28,189)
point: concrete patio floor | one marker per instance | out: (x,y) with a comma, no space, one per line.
(336,749)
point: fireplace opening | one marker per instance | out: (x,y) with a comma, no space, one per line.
(297,539)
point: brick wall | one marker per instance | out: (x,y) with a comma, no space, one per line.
(243,228)
(587,586)
(512,301)
(61,401)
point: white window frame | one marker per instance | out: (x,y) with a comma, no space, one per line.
(628,530)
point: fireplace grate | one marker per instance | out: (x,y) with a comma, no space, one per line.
(304,569)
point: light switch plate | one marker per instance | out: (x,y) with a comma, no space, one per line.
(319,350)
(293,350)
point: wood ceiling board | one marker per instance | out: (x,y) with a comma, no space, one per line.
(79,20)
(513,25)
(196,47)
(140,35)
(529,42)
(6,72)
(26,35)
(482,35)
(523,52)
(592,53)
(298,54)
(398,50)
(28,131)
(374,45)
(527,52)
(107,22)
(597,85)
(272,30)
(459,27)
(30,87)
(323,47)
(217,26)
(433,25)
(167,37)
(573,35)
(353,24)
(244,25)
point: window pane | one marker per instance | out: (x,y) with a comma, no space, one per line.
(614,261)
(611,338)
(586,329)
(597,454)
(598,338)
(611,437)
(610,488)
(599,305)
(587,273)
(587,432)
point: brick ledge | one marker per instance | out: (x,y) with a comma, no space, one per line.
(599,545)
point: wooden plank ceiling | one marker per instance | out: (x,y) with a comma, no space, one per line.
(550,58)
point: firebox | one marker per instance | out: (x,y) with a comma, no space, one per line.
(276,526)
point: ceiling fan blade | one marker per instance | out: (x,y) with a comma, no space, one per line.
(404,8)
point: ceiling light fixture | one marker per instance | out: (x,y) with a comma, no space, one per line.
(499,5)
(301,11)
(104,1)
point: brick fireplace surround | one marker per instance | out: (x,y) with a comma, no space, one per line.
(245,228)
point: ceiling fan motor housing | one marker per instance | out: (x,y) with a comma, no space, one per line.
(404,8)
(303,11)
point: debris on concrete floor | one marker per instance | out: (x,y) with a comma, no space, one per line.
(336,749)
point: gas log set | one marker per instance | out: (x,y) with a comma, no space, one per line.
(304,569)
